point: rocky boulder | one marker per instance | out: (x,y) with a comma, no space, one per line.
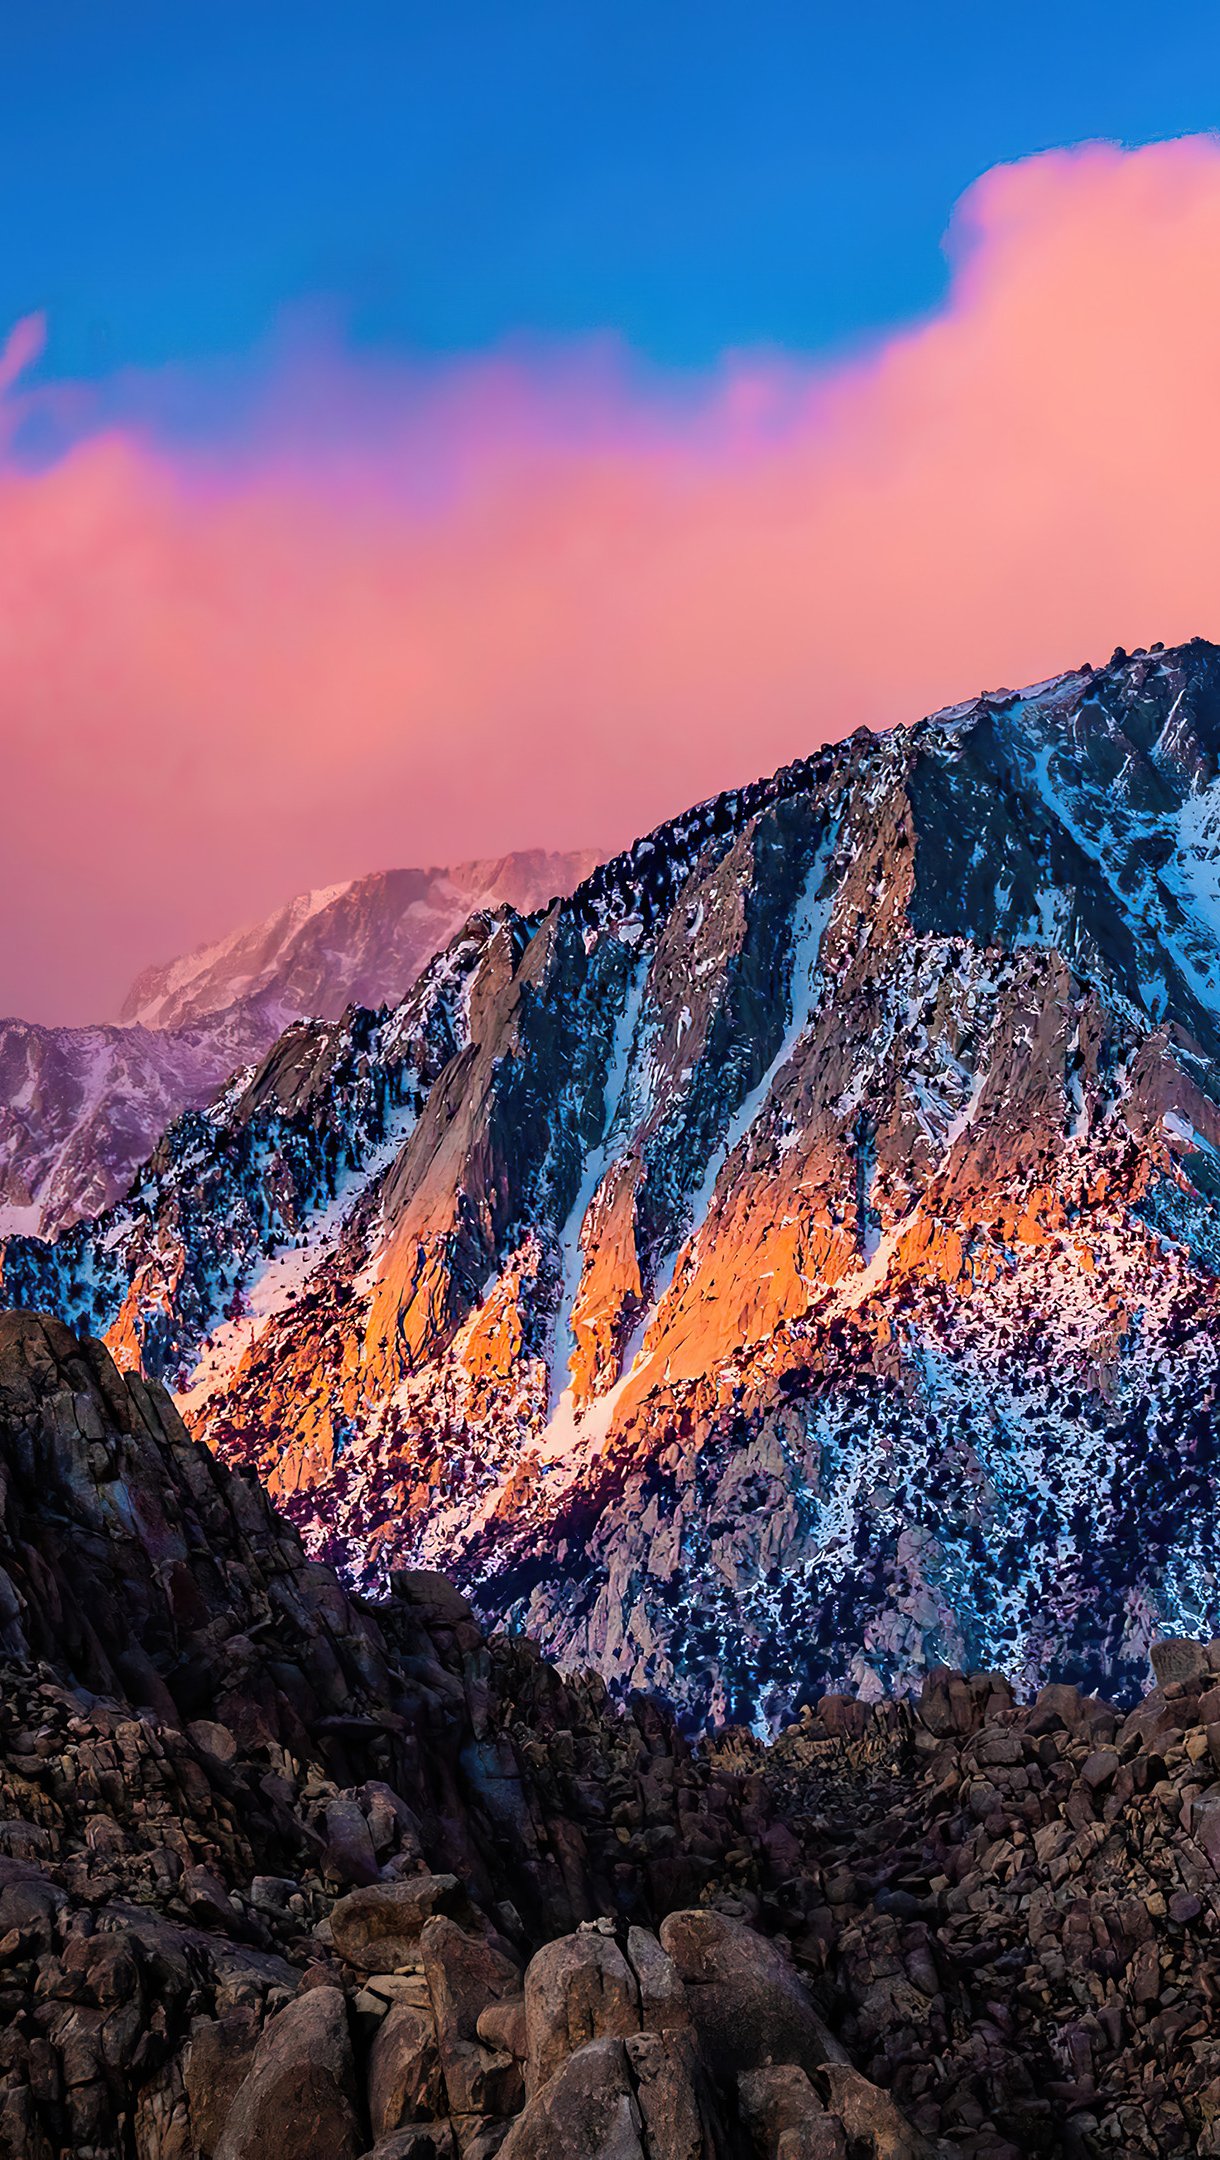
(466,1974)
(749,2007)
(587,2108)
(299,2096)
(378,1928)
(578,1989)
(785,2117)
(405,2084)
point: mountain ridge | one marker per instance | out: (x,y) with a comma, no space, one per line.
(82,1107)
(788,1261)
(361,941)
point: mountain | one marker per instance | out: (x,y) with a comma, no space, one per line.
(81,1107)
(287,1871)
(269,1855)
(363,942)
(788,1262)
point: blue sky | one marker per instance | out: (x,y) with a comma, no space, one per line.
(178,177)
(462,427)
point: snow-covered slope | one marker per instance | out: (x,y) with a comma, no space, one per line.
(791,1259)
(80,1108)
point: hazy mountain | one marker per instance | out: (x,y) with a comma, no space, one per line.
(361,943)
(81,1107)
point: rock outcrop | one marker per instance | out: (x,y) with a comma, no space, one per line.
(959,1925)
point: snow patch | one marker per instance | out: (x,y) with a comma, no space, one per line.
(279,1278)
(571,1250)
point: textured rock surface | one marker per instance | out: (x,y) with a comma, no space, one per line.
(299,2095)
(747,2005)
(81,1108)
(578,1989)
(959,1925)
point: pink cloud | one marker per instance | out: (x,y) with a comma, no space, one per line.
(416,615)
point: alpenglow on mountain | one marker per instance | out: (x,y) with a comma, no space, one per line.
(790,1259)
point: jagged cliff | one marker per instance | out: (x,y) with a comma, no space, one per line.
(790,1260)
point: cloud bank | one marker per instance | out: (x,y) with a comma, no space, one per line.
(407,616)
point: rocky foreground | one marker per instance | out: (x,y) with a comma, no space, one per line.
(288,1873)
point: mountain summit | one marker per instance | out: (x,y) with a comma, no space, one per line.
(790,1259)
(361,942)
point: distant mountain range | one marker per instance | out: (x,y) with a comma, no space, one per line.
(81,1107)
(790,1259)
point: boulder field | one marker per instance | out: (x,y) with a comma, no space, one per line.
(287,1872)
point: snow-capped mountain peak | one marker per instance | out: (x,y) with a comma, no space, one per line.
(81,1107)
(791,1258)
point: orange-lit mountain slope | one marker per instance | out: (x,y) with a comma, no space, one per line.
(793,1257)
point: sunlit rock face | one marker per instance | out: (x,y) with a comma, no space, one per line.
(789,1260)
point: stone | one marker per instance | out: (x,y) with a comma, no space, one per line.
(404,2071)
(213,1740)
(350,1857)
(1057,1707)
(206,1898)
(218,2059)
(420,2141)
(1204,1824)
(670,2093)
(999,1748)
(400,1987)
(748,2005)
(1209,1705)
(587,2111)
(868,2114)
(786,2117)
(432,1594)
(378,1928)
(272,1893)
(663,2003)
(577,1989)
(1178,1659)
(29,1901)
(465,1974)
(1100,1769)
(503,2025)
(299,2096)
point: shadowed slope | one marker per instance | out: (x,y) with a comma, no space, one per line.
(792,1258)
